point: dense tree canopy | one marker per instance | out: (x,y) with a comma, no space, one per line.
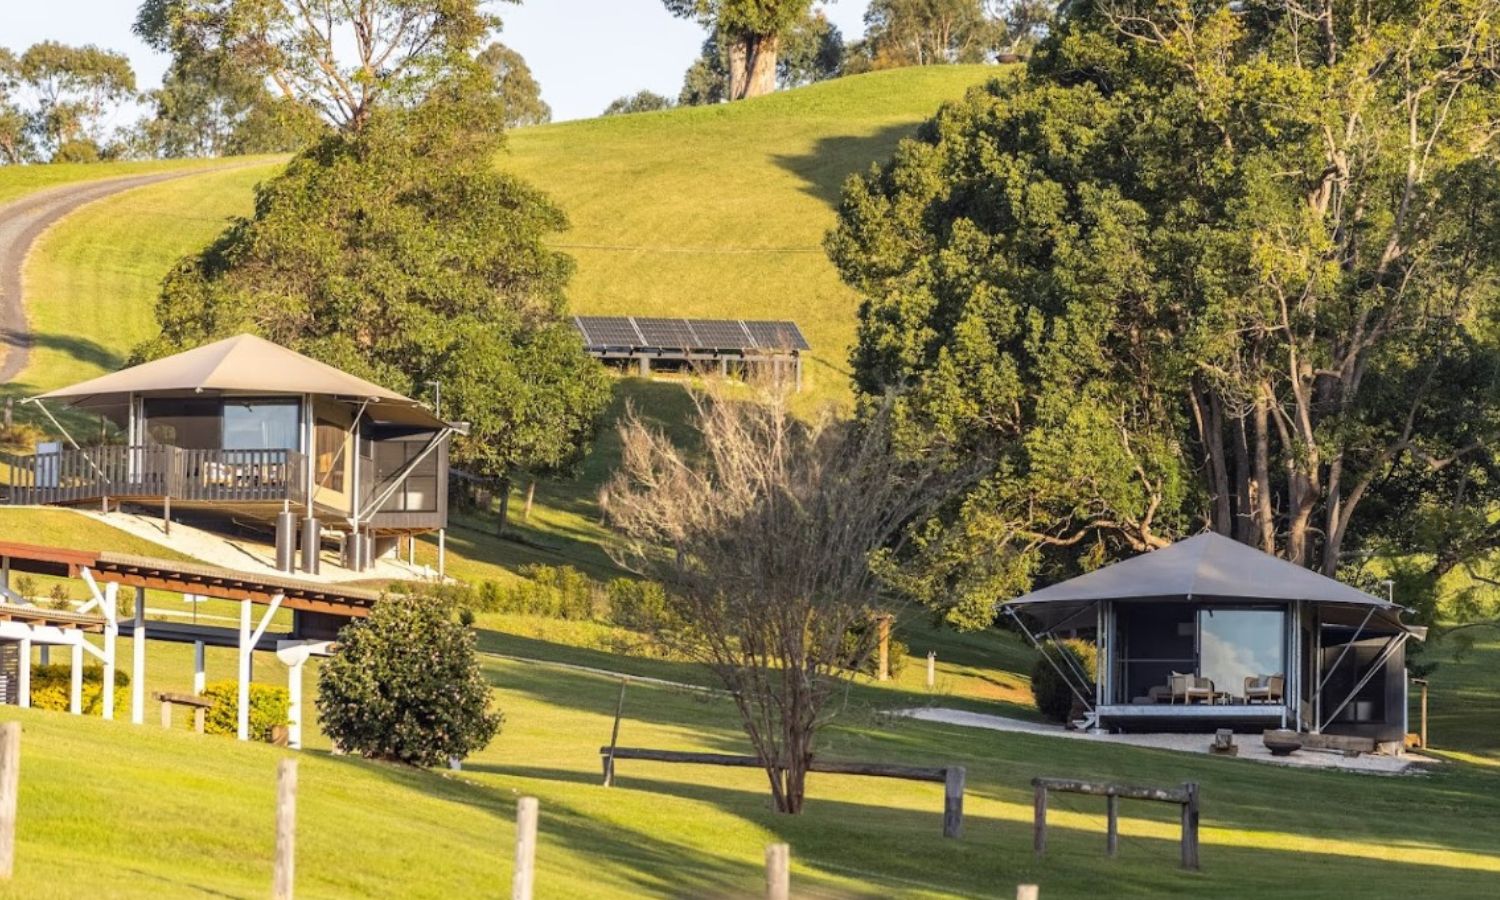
(936,32)
(213,102)
(640,101)
(1203,265)
(13,139)
(73,88)
(810,49)
(518,89)
(752,31)
(341,59)
(401,254)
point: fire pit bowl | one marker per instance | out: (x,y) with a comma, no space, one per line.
(1282,742)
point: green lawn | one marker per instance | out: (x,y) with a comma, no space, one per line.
(18,181)
(721,211)
(172,814)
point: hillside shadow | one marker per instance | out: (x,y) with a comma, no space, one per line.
(834,158)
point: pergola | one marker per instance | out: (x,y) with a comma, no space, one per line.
(320,608)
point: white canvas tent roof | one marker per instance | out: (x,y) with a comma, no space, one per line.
(1207,567)
(242,364)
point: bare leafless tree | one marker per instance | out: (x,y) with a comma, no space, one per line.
(763,536)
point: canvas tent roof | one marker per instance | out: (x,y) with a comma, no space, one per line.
(1207,567)
(248,364)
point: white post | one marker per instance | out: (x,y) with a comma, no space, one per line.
(10,788)
(138,661)
(931,668)
(442,552)
(111,634)
(75,686)
(284,877)
(198,669)
(294,705)
(242,728)
(523,881)
(778,872)
(23,676)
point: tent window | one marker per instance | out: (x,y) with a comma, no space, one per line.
(261,425)
(189,424)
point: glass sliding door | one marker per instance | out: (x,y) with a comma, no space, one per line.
(1236,644)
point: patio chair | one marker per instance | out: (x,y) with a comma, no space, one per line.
(1264,688)
(1191,688)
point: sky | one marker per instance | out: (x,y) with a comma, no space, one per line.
(584,53)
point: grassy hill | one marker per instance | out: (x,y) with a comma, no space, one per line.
(721,211)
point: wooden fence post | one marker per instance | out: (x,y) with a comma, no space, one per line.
(931,669)
(1039,823)
(1112,830)
(1190,826)
(10,786)
(614,736)
(524,880)
(778,872)
(1026,892)
(953,802)
(286,830)
(883,630)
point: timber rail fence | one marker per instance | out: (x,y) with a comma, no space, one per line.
(1185,796)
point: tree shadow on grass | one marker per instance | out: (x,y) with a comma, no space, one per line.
(826,167)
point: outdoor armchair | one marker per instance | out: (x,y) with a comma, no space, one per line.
(1264,688)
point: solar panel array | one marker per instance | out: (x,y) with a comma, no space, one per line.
(628,333)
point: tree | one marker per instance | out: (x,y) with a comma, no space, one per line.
(14,146)
(1202,267)
(641,101)
(341,59)
(752,31)
(518,90)
(401,254)
(936,32)
(74,87)
(811,49)
(405,685)
(763,539)
(212,102)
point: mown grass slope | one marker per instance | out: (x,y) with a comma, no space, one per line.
(126,811)
(721,211)
(18,181)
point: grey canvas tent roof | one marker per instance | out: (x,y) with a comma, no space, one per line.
(1207,567)
(242,364)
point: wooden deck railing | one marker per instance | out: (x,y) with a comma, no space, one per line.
(91,473)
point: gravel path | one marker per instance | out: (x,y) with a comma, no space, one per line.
(1250,745)
(23,221)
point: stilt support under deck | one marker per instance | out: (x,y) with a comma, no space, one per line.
(248,640)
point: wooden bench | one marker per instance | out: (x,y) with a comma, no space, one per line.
(197,704)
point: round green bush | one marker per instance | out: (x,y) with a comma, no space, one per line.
(405,685)
(51,687)
(1053,698)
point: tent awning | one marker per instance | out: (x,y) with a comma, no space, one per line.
(1206,568)
(242,364)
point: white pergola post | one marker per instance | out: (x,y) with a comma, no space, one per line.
(294,654)
(138,661)
(75,685)
(248,640)
(111,611)
(198,669)
(242,725)
(23,676)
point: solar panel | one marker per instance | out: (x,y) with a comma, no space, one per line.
(607,331)
(720,334)
(777,335)
(666,333)
(687,335)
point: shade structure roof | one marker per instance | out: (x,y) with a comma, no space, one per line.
(242,364)
(1208,567)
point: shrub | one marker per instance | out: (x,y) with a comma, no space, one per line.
(26,586)
(405,685)
(1053,698)
(556,592)
(640,605)
(59,597)
(269,706)
(52,684)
